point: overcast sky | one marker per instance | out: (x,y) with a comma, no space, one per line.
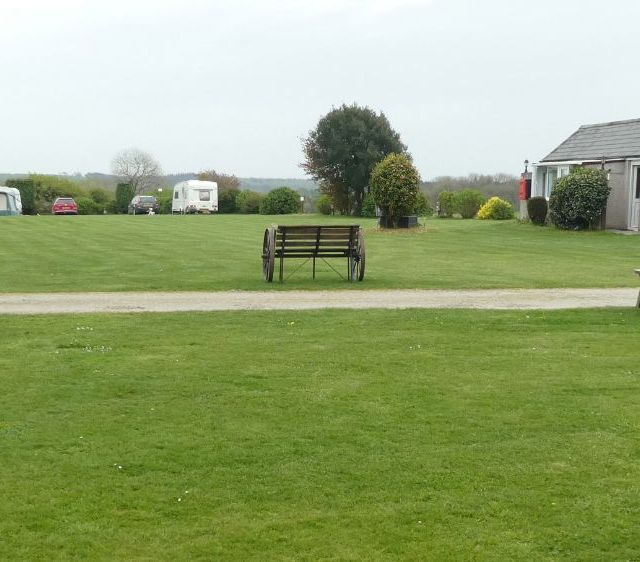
(471,86)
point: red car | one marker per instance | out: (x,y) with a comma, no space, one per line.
(64,206)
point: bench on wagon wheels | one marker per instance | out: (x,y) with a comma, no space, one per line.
(313,243)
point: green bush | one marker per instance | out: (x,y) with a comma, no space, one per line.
(496,209)
(248,202)
(446,204)
(100,196)
(124,195)
(468,202)
(423,206)
(280,201)
(87,206)
(368,206)
(324,205)
(579,200)
(27,190)
(537,208)
(394,186)
(227,199)
(164,199)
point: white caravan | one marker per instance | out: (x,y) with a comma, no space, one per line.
(10,202)
(195,196)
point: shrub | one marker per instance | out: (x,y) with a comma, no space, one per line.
(100,196)
(496,209)
(27,190)
(468,202)
(87,206)
(165,200)
(227,199)
(368,206)
(280,201)
(537,208)
(394,186)
(248,202)
(446,204)
(423,206)
(578,201)
(124,195)
(324,205)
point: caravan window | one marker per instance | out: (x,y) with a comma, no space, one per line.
(4,202)
(205,195)
(176,195)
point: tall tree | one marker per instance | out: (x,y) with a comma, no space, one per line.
(137,168)
(343,149)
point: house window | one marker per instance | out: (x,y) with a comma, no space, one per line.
(637,183)
(549,178)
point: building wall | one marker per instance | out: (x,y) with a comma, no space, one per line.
(618,203)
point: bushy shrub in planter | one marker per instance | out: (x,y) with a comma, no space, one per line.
(446,204)
(537,208)
(496,209)
(579,200)
(324,205)
(280,201)
(394,186)
(468,202)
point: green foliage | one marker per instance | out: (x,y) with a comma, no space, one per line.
(324,205)
(579,200)
(468,202)
(423,206)
(280,201)
(394,186)
(369,206)
(100,196)
(496,209)
(227,199)
(343,149)
(124,195)
(27,190)
(504,186)
(87,206)
(446,204)
(164,199)
(224,181)
(248,202)
(48,188)
(537,208)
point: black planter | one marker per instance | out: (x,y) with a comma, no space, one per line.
(408,221)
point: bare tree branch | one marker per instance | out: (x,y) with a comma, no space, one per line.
(137,168)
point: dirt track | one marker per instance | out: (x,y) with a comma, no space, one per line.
(64,303)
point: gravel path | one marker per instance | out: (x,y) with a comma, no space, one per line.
(63,303)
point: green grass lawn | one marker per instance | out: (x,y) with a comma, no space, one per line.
(118,253)
(336,435)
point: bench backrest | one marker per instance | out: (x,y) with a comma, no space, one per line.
(321,241)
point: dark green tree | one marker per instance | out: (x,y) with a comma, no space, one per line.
(341,152)
(124,194)
(27,190)
(280,201)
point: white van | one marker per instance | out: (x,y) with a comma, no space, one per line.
(10,201)
(195,196)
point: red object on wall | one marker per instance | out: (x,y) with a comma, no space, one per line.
(523,189)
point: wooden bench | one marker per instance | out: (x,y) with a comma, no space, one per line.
(638,303)
(312,242)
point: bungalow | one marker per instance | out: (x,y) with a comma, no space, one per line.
(614,147)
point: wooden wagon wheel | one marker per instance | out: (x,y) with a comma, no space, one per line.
(358,259)
(268,254)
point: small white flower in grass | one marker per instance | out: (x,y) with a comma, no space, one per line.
(179,499)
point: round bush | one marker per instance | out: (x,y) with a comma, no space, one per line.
(248,202)
(324,205)
(394,186)
(446,204)
(87,206)
(496,209)
(579,200)
(280,201)
(537,208)
(468,202)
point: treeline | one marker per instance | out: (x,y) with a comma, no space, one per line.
(504,186)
